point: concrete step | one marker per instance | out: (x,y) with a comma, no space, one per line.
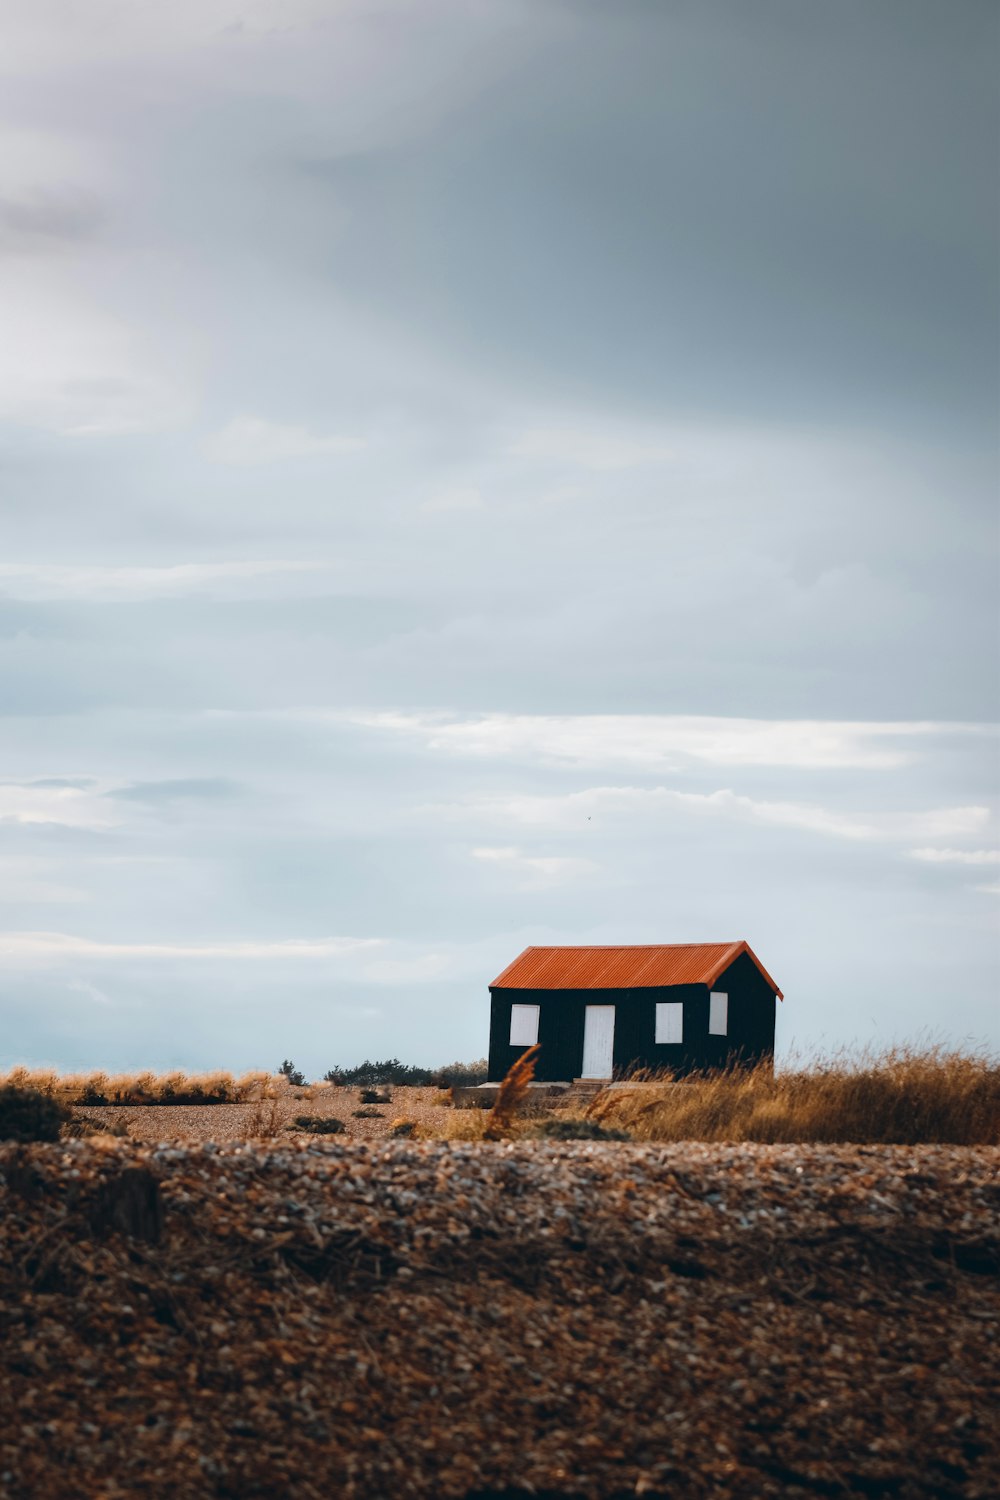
(583,1090)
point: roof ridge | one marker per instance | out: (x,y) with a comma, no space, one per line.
(615,947)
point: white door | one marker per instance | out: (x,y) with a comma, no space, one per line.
(598,1041)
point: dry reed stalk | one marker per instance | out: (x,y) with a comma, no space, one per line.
(511,1095)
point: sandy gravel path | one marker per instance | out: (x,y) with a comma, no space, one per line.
(229,1122)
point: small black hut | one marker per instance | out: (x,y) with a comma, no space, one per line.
(598,1011)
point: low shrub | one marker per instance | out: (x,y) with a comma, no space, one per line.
(458,1075)
(28,1114)
(368,1114)
(295,1077)
(402,1075)
(374,1073)
(576,1130)
(403,1128)
(264,1121)
(318,1124)
(374,1096)
(81,1126)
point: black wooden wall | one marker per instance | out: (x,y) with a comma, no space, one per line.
(560,1026)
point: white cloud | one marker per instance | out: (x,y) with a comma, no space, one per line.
(957,856)
(616,803)
(589,447)
(535,869)
(59,946)
(251,440)
(661,742)
(54,801)
(462,497)
(126,583)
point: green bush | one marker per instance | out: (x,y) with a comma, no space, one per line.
(30,1115)
(577,1130)
(375,1073)
(391,1070)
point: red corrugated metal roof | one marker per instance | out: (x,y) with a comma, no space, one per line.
(644,966)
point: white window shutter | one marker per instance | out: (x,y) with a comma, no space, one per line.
(523,1025)
(670,1021)
(718,1013)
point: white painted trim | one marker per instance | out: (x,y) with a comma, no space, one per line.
(523,1025)
(670,1021)
(718,1013)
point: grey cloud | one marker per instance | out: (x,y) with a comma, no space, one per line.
(772,214)
(207,788)
(48,221)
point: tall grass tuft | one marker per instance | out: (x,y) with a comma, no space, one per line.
(903,1096)
(511,1095)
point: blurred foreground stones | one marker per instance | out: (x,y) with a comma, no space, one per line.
(307,1318)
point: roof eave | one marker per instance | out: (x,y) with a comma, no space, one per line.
(733,955)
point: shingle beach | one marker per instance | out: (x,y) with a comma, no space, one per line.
(313,1319)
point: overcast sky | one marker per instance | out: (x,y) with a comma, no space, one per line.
(480,474)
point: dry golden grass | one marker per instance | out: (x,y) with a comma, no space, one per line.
(903,1097)
(457,1125)
(145,1087)
(906,1096)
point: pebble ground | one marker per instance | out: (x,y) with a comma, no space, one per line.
(309,1318)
